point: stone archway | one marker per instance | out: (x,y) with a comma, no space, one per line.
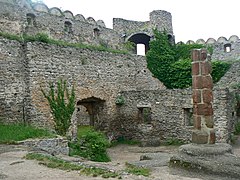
(140,38)
(89,111)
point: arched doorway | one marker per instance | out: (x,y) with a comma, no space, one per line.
(90,111)
(140,38)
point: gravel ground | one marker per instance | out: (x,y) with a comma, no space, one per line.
(13,166)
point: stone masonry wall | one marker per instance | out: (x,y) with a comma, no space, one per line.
(170,115)
(159,19)
(95,74)
(12,84)
(25,68)
(32,18)
(167,115)
(232,77)
(223,48)
(13,20)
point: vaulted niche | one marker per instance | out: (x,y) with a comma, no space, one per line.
(31,19)
(140,38)
(89,111)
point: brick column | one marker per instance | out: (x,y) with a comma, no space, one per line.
(202,85)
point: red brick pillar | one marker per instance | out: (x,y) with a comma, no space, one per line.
(202,85)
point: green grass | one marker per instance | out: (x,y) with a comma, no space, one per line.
(18,132)
(82,130)
(122,140)
(173,142)
(53,162)
(137,170)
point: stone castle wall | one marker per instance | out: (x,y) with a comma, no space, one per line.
(159,19)
(95,74)
(223,48)
(171,115)
(12,84)
(32,18)
(150,113)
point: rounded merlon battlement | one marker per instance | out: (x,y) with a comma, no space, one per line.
(101,23)
(40,7)
(55,11)
(68,14)
(222,39)
(190,42)
(200,41)
(211,41)
(80,17)
(162,20)
(233,38)
(90,20)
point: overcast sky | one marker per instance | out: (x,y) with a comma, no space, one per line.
(192,19)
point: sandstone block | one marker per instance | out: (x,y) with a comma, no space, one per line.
(199,137)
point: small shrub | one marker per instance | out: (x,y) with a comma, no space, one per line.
(119,100)
(219,69)
(91,145)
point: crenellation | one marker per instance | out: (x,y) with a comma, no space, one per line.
(40,7)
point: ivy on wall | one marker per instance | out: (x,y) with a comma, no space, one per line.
(171,64)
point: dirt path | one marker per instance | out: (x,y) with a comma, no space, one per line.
(13,166)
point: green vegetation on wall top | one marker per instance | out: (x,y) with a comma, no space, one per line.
(41,37)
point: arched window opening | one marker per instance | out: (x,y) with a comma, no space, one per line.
(96,32)
(140,40)
(188,116)
(68,27)
(141,49)
(31,19)
(90,110)
(144,115)
(227,48)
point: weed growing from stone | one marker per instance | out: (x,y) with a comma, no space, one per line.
(62,105)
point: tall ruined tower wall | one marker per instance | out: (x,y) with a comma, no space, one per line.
(159,19)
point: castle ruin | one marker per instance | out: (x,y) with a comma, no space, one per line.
(150,113)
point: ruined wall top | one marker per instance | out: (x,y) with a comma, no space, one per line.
(25,17)
(41,7)
(159,19)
